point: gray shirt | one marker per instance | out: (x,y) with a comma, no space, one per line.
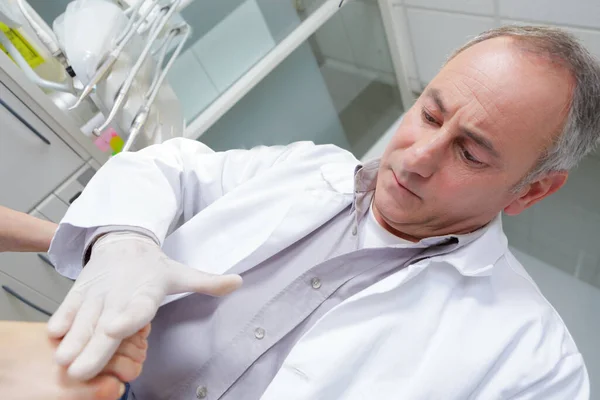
(232,347)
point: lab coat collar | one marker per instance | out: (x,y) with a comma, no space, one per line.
(476,253)
(348,178)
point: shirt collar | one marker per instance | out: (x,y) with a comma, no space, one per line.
(475,253)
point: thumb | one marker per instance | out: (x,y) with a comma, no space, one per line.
(186,279)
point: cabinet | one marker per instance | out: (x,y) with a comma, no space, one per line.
(32,274)
(41,174)
(20,303)
(33,159)
(35,271)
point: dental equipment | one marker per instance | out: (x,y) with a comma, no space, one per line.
(46,37)
(29,72)
(112,57)
(122,94)
(142,116)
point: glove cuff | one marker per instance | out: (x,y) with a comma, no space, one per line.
(112,236)
(115,236)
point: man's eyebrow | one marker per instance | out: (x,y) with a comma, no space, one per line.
(481,141)
(437,98)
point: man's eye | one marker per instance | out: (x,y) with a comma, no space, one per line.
(469,157)
(428,117)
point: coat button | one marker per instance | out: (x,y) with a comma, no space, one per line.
(315,283)
(201,392)
(354,230)
(259,333)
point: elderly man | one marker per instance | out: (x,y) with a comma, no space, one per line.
(389,280)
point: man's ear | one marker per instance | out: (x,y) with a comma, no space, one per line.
(536,191)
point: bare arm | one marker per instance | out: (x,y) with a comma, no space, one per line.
(22,232)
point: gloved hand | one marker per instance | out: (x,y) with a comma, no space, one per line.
(117,293)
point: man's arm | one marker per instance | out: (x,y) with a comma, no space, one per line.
(567,380)
(152,190)
(22,232)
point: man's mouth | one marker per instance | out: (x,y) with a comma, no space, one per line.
(403,187)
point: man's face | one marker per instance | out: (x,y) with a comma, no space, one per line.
(475,132)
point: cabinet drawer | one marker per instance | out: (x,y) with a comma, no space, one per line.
(53,208)
(33,159)
(14,297)
(31,270)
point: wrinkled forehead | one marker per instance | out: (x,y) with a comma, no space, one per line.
(499,87)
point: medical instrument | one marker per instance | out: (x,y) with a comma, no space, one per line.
(116,73)
(142,115)
(46,36)
(110,60)
(31,74)
(161,22)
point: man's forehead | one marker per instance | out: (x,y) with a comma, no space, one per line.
(502,85)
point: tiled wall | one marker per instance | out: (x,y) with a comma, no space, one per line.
(356,36)
(437,27)
(219,57)
(292,103)
(563,230)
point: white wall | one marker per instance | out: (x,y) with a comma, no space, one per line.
(221,55)
(564,229)
(355,36)
(437,27)
(292,103)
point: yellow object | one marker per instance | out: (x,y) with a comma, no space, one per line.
(116,144)
(27,50)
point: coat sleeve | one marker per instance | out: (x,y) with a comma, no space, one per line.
(162,186)
(567,380)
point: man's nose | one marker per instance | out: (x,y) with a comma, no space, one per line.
(424,156)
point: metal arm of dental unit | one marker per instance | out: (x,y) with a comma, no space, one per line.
(142,116)
(110,60)
(122,94)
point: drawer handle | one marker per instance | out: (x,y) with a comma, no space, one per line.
(24,122)
(24,300)
(45,259)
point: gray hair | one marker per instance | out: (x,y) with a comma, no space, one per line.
(581,132)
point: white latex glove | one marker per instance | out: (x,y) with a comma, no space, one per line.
(118,293)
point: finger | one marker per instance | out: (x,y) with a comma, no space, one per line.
(146,331)
(186,279)
(101,388)
(140,337)
(62,320)
(137,314)
(132,350)
(80,333)
(124,368)
(94,356)
(139,341)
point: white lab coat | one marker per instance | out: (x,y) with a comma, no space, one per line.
(467,325)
